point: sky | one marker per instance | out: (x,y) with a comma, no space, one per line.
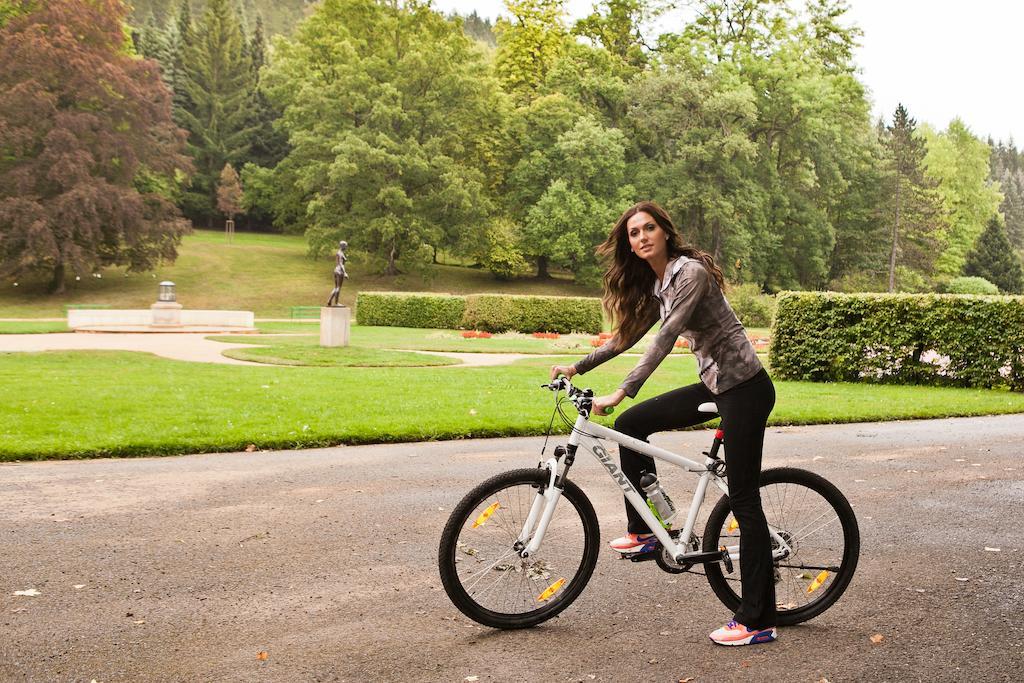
(941,59)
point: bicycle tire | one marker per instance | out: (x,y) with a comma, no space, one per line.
(466,511)
(831,588)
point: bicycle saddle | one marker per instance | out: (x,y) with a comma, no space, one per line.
(708,407)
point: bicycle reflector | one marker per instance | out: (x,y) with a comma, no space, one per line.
(818,581)
(550,590)
(486,514)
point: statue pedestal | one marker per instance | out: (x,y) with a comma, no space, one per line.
(334,324)
(166,313)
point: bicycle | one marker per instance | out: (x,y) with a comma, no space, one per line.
(508,561)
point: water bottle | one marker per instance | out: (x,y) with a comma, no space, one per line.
(659,502)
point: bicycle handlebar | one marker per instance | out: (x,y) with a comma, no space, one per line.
(581,398)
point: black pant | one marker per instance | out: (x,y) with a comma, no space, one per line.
(744,410)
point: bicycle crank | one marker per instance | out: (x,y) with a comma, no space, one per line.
(668,563)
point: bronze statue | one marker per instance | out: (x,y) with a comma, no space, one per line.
(339,273)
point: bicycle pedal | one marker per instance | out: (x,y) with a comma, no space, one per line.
(726,560)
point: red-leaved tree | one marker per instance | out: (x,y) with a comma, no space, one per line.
(88,152)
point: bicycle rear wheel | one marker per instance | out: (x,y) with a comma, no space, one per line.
(488,580)
(816,521)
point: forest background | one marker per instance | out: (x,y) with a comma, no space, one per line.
(417,136)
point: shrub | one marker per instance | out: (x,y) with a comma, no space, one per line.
(940,339)
(417,309)
(503,312)
(971,285)
(752,307)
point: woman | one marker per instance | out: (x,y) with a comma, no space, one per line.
(653,276)
(339,273)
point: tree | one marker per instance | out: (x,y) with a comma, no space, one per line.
(994,259)
(391,116)
(89,155)
(218,81)
(1007,168)
(615,26)
(529,44)
(914,211)
(959,162)
(229,193)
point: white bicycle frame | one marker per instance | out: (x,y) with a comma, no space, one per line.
(587,435)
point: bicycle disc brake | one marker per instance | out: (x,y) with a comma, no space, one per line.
(668,563)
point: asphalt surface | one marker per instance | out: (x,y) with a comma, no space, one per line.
(320,565)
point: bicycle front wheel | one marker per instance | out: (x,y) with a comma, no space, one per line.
(816,521)
(481,569)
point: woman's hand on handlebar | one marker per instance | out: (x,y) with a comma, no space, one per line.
(602,404)
(566,370)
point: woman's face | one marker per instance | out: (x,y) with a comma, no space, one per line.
(646,238)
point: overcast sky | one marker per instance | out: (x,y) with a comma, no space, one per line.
(941,59)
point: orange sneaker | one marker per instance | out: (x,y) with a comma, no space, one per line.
(735,633)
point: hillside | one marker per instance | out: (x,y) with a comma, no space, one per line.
(266,274)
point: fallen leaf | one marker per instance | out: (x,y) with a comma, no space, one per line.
(745,663)
(19,610)
(472,411)
(472,678)
(78,586)
(962,578)
(140,621)
(688,679)
(32,592)
(652,661)
(823,680)
(262,655)
(250,448)
(877,638)
(992,550)
(665,633)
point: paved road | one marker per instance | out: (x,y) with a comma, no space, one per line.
(186,568)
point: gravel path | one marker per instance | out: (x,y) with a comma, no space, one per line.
(320,565)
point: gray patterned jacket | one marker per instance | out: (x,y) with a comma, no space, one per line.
(690,304)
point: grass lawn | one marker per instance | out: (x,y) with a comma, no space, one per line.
(89,404)
(307,351)
(32,326)
(266,274)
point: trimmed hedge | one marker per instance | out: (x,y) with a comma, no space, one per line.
(504,312)
(939,339)
(404,309)
(970,285)
(490,312)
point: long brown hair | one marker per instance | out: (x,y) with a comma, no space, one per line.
(629,279)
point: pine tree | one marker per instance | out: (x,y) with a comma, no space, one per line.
(1007,167)
(914,210)
(994,259)
(269,146)
(218,81)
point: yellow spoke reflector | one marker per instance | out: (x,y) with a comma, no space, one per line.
(733,526)
(818,580)
(550,590)
(485,515)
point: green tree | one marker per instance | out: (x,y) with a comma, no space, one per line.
(390,113)
(218,81)
(913,210)
(87,165)
(994,259)
(959,162)
(582,195)
(1007,169)
(529,45)
(614,25)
